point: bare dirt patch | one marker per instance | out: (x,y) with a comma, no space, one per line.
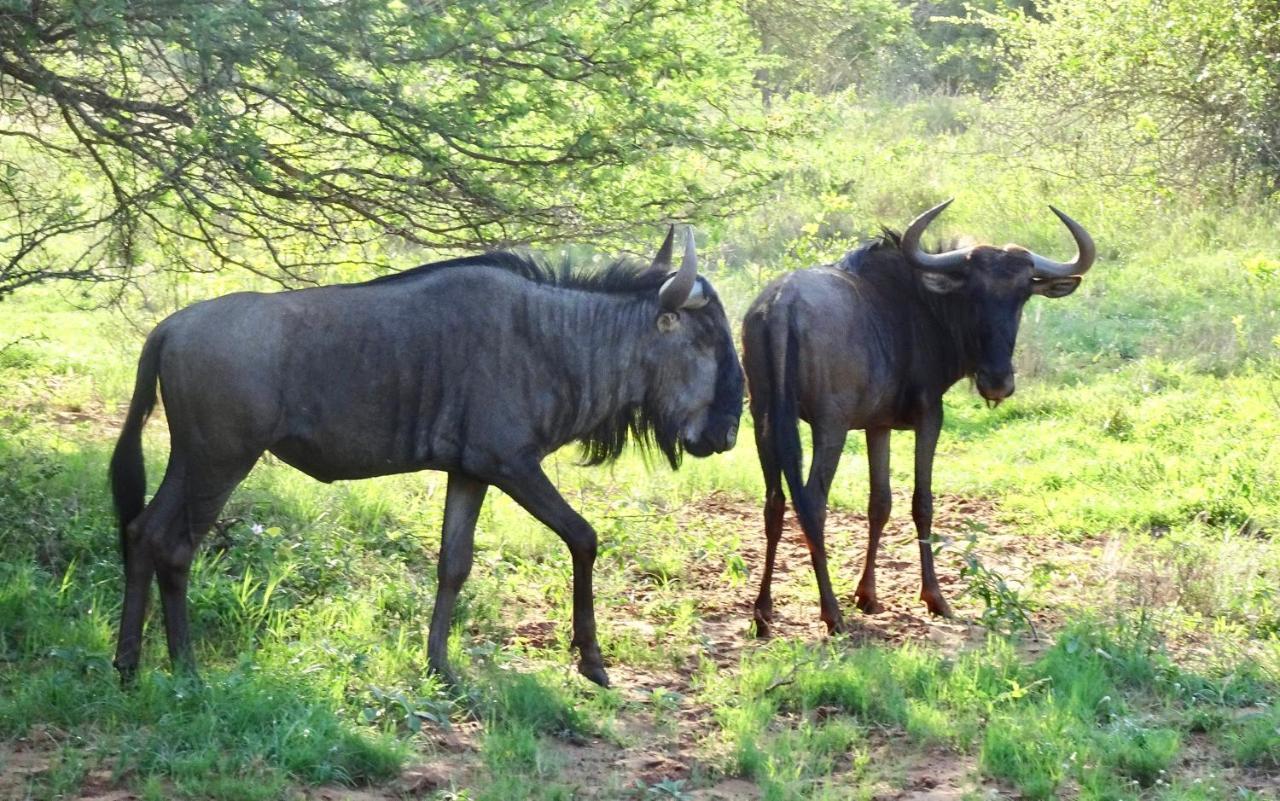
(26,764)
(931,775)
(20,763)
(676,751)
(726,612)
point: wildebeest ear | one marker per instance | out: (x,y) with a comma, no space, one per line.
(668,322)
(1055,287)
(942,283)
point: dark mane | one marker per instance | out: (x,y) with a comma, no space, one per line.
(621,275)
(880,262)
(644,423)
(888,240)
(641,422)
(635,423)
(856,259)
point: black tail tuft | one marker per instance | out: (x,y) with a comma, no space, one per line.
(784,417)
(128,470)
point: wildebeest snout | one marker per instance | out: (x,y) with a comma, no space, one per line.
(716,437)
(995,386)
(727,437)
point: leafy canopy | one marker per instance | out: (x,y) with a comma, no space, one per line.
(287,136)
(1182,94)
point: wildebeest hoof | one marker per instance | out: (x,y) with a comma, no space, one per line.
(938,607)
(761,628)
(762,622)
(869,605)
(128,677)
(838,626)
(595,672)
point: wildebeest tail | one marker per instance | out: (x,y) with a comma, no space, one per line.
(128,470)
(784,415)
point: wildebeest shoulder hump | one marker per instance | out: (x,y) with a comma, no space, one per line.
(620,276)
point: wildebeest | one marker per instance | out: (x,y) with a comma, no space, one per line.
(478,366)
(873,342)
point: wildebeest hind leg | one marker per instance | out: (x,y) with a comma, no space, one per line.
(879,503)
(775,505)
(461,509)
(139,567)
(535,492)
(138,570)
(201,494)
(828,441)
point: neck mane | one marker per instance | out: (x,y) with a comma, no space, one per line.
(621,276)
(941,323)
(595,383)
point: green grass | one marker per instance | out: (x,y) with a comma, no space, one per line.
(1146,427)
(238,728)
(1255,739)
(1094,712)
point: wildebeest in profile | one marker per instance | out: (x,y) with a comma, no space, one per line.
(478,366)
(873,342)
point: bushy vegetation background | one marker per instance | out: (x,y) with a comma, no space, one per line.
(163,152)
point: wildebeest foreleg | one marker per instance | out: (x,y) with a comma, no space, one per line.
(922,510)
(457,541)
(878,506)
(775,505)
(535,492)
(828,441)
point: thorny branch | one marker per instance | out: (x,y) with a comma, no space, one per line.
(286,138)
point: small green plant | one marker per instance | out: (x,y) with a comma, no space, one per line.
(665,704)
(1027,750)
(510,747)
(1203,719)
(735,570)
(1141,754)
(1255,740)
(667,789)
(1004,609)
(406,711)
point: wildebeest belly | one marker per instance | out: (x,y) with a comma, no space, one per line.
(371,436)
(883,404)
(325,462)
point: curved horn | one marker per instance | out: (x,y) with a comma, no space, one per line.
(675,291)
(1085,253)
(948,262)
(662,261)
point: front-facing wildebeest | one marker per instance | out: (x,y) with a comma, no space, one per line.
(873,342)
(478,366)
